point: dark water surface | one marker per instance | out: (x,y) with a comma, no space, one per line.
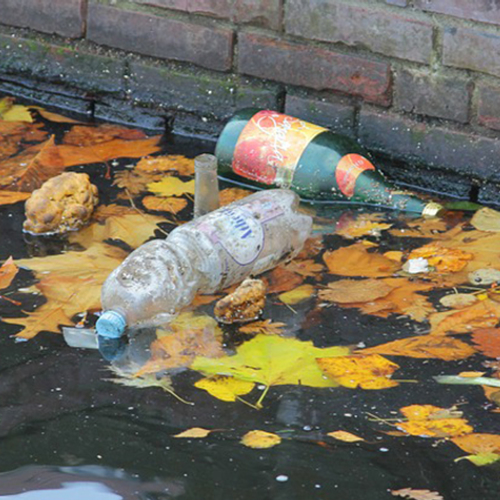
(68,433)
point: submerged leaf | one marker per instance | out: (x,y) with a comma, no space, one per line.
(266,327)
(171,204)
(297,295)
(347,291)
(175,164)
(225,388)
(171,186)
(260,439)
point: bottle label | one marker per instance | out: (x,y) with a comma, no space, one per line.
(349,168)
(270,146)
(240,229)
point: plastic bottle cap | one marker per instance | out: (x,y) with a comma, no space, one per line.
(111,324)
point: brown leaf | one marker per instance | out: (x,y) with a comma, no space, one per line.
(423,227)
(170,204)
(14,135)
(482,314)
(177,164)
(281,279)
(10,197)
(306,268)
(312,247)
(347,291)
(355,260)
(53,117)
(134,181)
(7,273)
(425,346)
(103,212)
(487,341)
(88,135)
(266,327)
(361,225)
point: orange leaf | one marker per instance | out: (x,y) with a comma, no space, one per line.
(266,327)
(229,195)
(281,279)
(260,439)
(88,135)
(355,260)
(306,268)
(7,273)
(478,443)
(162,164)
(488,341)
(366,371)
(194,432)
(445,260)
(425,346)
(417,494)
(348,291)
(362,225)
(9,197)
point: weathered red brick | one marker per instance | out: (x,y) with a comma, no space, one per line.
(62,17)
(265,13)
(378,30)
(486,11)
(424,93)
(471,49)
(160,37)
(488,112)
(316,68)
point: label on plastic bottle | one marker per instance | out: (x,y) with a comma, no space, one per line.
(270,146)
(240,229)
(349,168)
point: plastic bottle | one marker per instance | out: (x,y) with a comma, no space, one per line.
(206,185)
(207,254)
(269,149)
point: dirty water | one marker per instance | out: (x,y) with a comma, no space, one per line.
(68,432)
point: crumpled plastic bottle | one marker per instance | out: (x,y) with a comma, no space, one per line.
(210,253)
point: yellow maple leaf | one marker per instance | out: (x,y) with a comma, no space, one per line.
(225,388)
(170,204)
(370,371)
(260,439)
(171,186)
(11,112)
(344,436)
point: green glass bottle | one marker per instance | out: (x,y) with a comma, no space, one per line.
(265,148)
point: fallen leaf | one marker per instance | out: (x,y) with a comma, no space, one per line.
(127,379)
(90,135)
(188,336)
(486,219)
(10,197)
(484,277)
(482,314)
(395,255)
(15,135)
(420,423)
(225,388)
(265,327)
(312,247)
(344,436)
(273,360)
(260,439)
(370,371)
(425,346)
(443,259)
(297,295)
(481,459)
(417,494)
(362,225)
(355,260)
(8,272)
(171,186)
(471,374)
(53,117)
(135,182)
(194,432)
(11,112)
(306,268)
(348,291)
(281,279)
(423,227)
(478,443)
(162,164)
(103,212)
(487,341)
(171,204)
(458,300)
(229,195)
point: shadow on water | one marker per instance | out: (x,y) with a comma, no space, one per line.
(66,432)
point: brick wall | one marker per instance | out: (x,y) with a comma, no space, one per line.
(417,81)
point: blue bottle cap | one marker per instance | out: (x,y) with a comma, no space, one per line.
(111,324)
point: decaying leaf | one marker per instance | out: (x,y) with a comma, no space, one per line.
(370,371)
(10,197)
(355,260)
(362,225)
(421,422)
(443,259)
(484,276)
(272,360)
(423,227)
(486,219)
(417,494)
(194,432)
(187,336)
(297,295)
(174,164)
(265,327)
(244,304)
(229,195)
(281,279)
(348,291)
(134,181)
(260,439)
(225,388)
(171,204)
(91,135)
(171,186)
(478,443)
(482,314)
(306,268)
(487,341)
(11,112)
(8,271)
(481,459)
(345,436)
(425,346)
(145,382)
(458,300)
